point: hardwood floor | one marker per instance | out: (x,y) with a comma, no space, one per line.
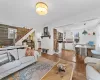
(79,71)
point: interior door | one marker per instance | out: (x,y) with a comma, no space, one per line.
(55,40)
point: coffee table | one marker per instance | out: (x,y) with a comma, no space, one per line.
(52,74)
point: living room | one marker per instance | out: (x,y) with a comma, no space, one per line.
(49,40)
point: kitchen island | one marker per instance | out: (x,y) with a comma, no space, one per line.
(84,49)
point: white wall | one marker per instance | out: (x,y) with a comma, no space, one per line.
(71,20)
(60,44)
(38,33)
(44,43)
(84,39)
(48,43)
(69,35)
(98,38)
(90,27)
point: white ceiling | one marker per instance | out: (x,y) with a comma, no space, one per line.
(22,12)
(81,25)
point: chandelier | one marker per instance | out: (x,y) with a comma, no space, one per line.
(41,8)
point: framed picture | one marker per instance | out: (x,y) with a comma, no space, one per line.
(76,34)
(45,31)
(12,33)
(60,36)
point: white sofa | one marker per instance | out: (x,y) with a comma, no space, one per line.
(21,61)
(91,73)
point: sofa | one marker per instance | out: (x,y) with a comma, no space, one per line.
(91,73)
(20,60)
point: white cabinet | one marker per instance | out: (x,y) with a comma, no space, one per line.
(69,46)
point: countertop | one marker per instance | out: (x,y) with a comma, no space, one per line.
(85,46)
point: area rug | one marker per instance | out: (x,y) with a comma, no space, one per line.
(33,72)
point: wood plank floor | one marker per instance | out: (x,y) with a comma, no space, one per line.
(79,71)
(52,74)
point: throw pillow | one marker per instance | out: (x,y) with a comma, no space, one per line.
(4,58)
(29,52)
(32,52)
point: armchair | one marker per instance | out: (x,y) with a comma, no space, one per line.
(95,53)
(91,73)
(91,60)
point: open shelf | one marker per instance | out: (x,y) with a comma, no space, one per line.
(45,36)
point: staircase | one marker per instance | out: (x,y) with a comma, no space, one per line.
(22,34)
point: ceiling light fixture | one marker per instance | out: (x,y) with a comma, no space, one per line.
(41,8)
